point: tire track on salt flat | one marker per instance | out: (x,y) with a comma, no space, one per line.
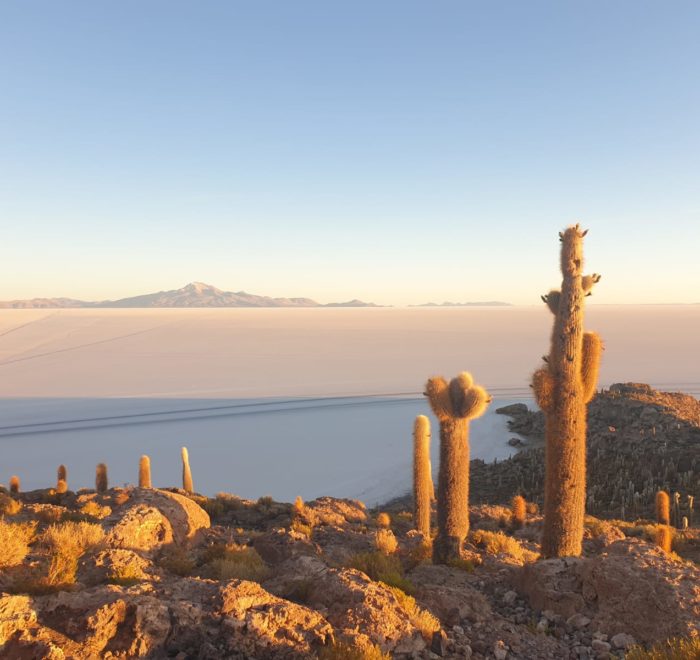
(36,356)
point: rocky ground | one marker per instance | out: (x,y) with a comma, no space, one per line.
(156,573)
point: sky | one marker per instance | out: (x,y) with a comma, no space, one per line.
(398,151)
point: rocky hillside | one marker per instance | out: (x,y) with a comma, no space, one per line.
(153,573)
(639,441)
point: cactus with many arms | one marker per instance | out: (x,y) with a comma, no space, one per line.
(563,387)
(422,479)
(454,404)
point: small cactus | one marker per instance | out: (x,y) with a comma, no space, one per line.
(664,538)
(145,472)
(101,482)
(423,491)
(14,484)
(518,509)
(61,486)
(61,474)
(454,404)
(663,508)
(187,485)
(563,387)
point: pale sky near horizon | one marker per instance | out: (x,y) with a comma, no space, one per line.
(396,151)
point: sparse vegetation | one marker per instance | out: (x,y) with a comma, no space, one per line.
(385,541)
(65,543)
(384,519)
(345,651)
(499,543)
(229,561)
(426,622)
(15,539)
(672,649)
(95,510)
(9,506)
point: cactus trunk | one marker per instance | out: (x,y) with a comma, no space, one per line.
(101,483)
(454,405)
(422,479)
(563,389)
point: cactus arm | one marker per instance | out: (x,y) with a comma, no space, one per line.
(438,392)
(476,401)
(590,363)
(543,385)
(588,281)
(551,299)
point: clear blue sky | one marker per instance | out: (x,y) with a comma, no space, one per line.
(395,151)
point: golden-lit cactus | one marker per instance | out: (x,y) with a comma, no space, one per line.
(61,486)
(454,404)
(563,387)
(145,472)
(518,512)
(664,538)
(383,519)
(663,508)
(101,482)
(14,484)
(423,491)
(61,474)
(187,485)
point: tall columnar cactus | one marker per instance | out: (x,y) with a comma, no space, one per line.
(663,508)
(422,478)
(186,472)
(145,472)
(563,387)
(454,404)
(101,482)
(61,474)
(14,484)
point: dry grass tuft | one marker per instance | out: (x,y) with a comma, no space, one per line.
(496,543)
(176,560)
(384,519)
(15,539)
(420,618)
(65,543)
(9,506)
(231,561)
(385,541)
(345,651)
(95,510)
(672,649)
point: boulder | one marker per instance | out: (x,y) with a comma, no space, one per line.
(152,518)
(264,626)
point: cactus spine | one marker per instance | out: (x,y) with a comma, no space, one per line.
(145,472)
(186,472)
(454,404)
(563,387)
(101,483)
(14,484)
(663,508)
(422,479)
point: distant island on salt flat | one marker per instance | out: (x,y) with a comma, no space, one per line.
(195,294)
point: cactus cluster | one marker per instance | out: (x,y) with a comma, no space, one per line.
(563,387)
(454,404)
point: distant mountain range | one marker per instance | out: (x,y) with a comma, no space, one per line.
(488,303)
(195,294)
